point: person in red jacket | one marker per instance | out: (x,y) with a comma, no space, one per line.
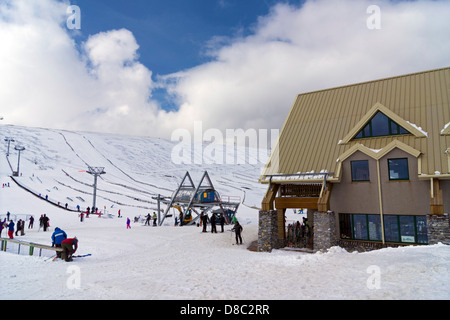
(69,246)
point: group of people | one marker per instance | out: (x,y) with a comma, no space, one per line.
(237,228)
(204,219)
(9,224)
(148,218)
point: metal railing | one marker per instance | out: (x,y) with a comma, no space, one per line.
(27,248)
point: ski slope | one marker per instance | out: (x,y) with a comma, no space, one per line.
(176,262)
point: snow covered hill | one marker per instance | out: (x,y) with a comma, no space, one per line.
(54,165)
(175,262)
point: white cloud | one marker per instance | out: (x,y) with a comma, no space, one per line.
(253,81)
(250,82)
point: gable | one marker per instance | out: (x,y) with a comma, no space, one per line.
(380,121)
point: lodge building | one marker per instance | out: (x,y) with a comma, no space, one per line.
(370,162)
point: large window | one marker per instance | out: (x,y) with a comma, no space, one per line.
(398,169)
(398,229)
(405,229)
(360,226)
(380,125)
(360,170)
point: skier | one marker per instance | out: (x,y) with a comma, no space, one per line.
(128,223)
(213,223)
(81,215)
(237,230)
(11,229)
(147,221)
(57,237)
(69,247)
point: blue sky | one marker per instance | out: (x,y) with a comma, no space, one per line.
(173,34)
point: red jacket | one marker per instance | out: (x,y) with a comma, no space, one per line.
(72,241)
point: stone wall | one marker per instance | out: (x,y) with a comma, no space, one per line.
(438,229)
(268,231)
(325,230)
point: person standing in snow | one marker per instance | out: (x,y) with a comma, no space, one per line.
(45,221)
(22,228)
(30,225)
(147,220)
(204,218)
(69,247)
(154,219)
(11,229)
(128,223)
(237,230)
(222,221)
(19,226)
(213,223)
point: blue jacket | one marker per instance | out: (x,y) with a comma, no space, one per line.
(58,236)
(11,226)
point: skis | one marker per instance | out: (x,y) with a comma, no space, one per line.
(82,256)
(77,256)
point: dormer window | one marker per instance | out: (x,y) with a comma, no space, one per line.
(381,125)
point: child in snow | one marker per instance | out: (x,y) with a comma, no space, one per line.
(128,223)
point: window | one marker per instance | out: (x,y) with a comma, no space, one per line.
(360,170)
(360,226)
(398,229)
(380,125)
(398,169)
(391,233)
(405,229)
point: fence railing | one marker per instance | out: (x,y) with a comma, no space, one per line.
(28,248)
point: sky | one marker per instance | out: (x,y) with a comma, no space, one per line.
(151,67)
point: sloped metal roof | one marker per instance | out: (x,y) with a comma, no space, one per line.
(321,125)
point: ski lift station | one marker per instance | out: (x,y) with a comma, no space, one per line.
(189,199)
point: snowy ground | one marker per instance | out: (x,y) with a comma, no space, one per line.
(180,262)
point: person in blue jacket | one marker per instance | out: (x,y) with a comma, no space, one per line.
(57,237)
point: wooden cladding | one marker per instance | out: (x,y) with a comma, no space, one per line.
(300,190)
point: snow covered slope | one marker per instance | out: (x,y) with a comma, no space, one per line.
(176,262)
(54,165)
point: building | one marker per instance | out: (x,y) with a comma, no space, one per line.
(371,162)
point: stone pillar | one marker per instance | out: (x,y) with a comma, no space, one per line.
(268,231)
(438,229)
(325,230)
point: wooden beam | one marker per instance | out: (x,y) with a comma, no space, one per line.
(323,204)
(267,203)
(436,199)
(296,203)
(281,224)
